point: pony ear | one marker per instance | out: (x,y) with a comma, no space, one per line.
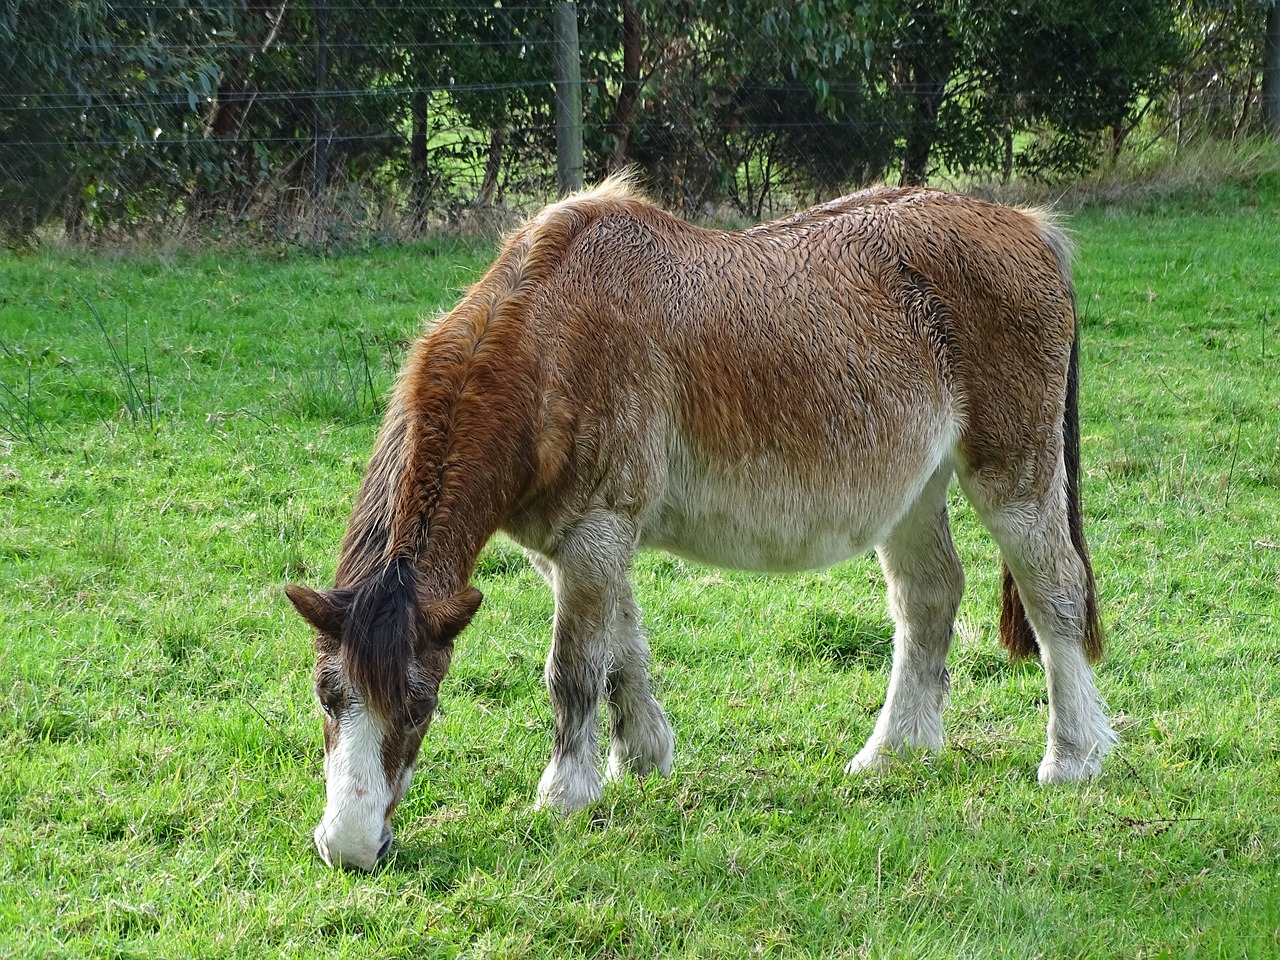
(448,618)
(325,611)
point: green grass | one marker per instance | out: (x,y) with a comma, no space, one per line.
(160,749)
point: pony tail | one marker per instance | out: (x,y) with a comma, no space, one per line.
(1016,635)
(1093,632)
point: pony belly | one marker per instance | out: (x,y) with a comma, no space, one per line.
(772,552)
(773,515)
(744,528)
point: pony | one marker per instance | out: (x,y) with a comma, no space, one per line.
(778,398)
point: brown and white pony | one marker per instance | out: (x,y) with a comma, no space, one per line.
(775,399)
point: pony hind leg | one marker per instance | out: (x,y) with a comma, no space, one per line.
(1053,586)
(640,738)
(925,584)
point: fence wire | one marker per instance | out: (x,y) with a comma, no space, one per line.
(266,114)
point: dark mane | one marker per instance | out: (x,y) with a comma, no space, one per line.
(378,635)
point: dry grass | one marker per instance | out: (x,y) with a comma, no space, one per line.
(1212,171)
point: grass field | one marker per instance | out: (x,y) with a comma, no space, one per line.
(181,434)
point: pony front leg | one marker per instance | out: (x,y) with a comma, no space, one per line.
(588,577)
(575,681)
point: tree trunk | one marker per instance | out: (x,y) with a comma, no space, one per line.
(928,62)
(322,135)
(418,133)
(492,166)
(418,151)
(920,136)
(231,107)
(625,108)
(1271,73)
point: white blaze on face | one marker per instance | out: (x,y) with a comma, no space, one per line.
(354,830)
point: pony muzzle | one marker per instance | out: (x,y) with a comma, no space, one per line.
(355,831)
(364,854)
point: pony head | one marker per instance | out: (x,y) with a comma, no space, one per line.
(381,651)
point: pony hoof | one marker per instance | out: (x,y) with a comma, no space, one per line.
(658,758)
(567,794)
(870,759)
(880,757)
(1066,763)
(1059,769)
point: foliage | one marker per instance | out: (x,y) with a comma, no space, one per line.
(744,98)
(1063,72)
(230,111)
(1216,89)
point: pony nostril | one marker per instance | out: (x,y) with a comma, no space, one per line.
(386,845)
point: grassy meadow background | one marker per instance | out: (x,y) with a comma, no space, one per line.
(182,433)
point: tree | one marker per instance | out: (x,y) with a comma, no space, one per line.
(926,54)
(99,105)
(1222,81)
(734,100)
(38,84)
(972,80)
(116,113)
(1271,72)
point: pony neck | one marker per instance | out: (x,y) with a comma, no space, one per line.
(453,456)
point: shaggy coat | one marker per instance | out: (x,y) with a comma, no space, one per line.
(774,399)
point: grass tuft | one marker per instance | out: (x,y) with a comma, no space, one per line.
(19,417)
(348,387)
(138,395)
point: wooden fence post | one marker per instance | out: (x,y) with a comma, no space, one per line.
(568,98)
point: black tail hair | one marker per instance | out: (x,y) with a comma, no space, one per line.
(1016,634)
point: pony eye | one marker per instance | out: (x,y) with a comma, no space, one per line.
(421,712)
(330,703)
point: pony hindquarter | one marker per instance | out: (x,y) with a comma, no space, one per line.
(1048,582)
(775,399)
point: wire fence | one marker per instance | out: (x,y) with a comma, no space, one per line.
(339,116)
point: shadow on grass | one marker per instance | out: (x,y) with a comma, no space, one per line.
(994,664)
(441,866)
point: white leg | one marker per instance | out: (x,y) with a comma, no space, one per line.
(588,576)
(1080,733)
(925,584)
(1051,582)
(640,738)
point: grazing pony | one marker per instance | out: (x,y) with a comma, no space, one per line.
(774,399)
